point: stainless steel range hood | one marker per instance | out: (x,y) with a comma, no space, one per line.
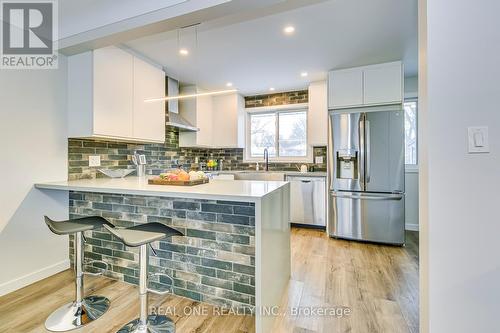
(172,107)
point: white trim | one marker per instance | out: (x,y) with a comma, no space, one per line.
(411,226)
(35,276)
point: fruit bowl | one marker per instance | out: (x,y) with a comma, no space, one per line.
(116,173)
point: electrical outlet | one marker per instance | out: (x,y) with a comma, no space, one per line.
(94,160)
(318,159)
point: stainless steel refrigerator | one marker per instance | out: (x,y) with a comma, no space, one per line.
(366,174)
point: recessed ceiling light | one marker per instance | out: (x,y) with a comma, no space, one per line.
(289,29)
(271,89)
(229,84)
(183,52)
(303,74)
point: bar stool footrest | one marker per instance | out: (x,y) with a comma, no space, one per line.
(158,288)
(90,269)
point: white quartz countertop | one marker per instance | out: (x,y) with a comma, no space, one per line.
(233,190)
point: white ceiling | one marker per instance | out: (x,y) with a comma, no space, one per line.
(254,54)
(78,16)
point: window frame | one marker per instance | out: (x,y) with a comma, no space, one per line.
(289,108)
(413,167)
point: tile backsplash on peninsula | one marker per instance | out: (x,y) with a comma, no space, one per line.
(161,157)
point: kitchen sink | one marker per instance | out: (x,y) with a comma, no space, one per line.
(256,175)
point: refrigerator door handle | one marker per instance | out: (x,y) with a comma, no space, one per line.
(367,196)
(361,168)
(368,153)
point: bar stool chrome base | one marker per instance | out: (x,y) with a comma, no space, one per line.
(72,316)
(155,324)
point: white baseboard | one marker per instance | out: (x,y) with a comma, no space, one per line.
(411,226)
(23,281)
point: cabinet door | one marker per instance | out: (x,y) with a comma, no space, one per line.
(149,117)
(204,121)
(317,116)
(228,117)
(345,88)
(113,92)
(383,84)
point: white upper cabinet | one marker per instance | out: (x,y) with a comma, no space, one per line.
(345,88)
(220,120)
(317,116)
(106,92)
(365,86)
(148,117)
(197,111)
(113,93)
(383,84)
(228,121)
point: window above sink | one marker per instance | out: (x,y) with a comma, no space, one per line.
(282,130)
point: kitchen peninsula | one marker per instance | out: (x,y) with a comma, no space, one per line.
(236,248)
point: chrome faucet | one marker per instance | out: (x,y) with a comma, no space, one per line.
(266,158)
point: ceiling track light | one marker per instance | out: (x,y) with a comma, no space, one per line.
(209,93)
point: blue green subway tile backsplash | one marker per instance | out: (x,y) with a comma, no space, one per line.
(160,157)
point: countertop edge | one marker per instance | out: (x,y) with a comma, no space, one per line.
(203,196)
(286,173)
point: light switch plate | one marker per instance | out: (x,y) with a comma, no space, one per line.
(318,159)
(94,160)
(478,139)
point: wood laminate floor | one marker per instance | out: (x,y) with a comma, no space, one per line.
(378,284)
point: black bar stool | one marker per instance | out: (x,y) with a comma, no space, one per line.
(82,310)
(140,236)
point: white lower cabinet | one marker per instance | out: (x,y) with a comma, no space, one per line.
(106,92)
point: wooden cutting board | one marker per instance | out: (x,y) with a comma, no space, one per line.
(159,181)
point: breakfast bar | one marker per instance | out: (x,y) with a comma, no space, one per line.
(236,249)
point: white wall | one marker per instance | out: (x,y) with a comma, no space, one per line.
(460,226)
(411,86)
(34,148)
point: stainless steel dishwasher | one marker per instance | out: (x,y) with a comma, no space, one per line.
(308,201)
